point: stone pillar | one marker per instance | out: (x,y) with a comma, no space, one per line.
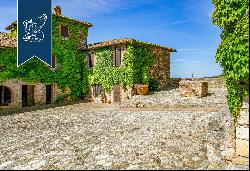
(189,88)
(126,94)
(40,94)
(242,135)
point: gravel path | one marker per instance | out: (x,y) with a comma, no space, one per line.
(90,136)
(69,138)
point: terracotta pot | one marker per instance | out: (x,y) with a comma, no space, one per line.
(142,89)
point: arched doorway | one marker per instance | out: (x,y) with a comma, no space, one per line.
(5,96)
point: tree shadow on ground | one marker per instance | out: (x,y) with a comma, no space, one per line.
(12,111)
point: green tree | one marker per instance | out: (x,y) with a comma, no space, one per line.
(232,16)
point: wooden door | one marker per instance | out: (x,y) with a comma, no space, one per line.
(31,94)
(117,93)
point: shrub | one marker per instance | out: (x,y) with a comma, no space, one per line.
(154,84)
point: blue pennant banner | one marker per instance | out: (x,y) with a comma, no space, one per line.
(34,31)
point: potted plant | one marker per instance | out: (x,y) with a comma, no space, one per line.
(142,89)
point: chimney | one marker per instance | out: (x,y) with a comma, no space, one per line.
(57,10)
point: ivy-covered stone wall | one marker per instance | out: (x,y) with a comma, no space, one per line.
(140,64)
(70,72)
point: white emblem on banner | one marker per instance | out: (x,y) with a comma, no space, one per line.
(33,29)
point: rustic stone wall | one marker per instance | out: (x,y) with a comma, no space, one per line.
(212,82)
(7,41)
(193,88)
(126,94)
(220,133)
(161,68)
(40,94)
(15,87)
(242,135)
(109,97)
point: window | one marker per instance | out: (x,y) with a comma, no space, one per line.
(64,31)
(117,57)
(98,90)
(91,60)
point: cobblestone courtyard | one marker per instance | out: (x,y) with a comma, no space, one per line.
(95,136)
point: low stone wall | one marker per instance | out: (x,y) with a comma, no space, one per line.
(190,88)
(109,96)
(212,82)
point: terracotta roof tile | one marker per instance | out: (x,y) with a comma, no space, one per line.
(123,41)
(14,24)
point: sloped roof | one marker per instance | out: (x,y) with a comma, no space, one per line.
(7,41)
(124,41)
(14,24)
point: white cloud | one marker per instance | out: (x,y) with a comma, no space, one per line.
(180,60)
(173,23)
(186,60)
(196,49)
(194,61)
(90,8)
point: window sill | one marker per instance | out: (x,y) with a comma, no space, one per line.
(65,38)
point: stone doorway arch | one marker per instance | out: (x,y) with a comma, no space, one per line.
(5,96)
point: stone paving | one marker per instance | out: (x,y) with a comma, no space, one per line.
(96,136)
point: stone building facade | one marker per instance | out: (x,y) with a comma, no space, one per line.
(23,94)
(15,92)
(160,70)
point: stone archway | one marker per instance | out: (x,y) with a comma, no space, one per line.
(5,96)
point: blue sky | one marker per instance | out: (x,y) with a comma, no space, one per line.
(182,24)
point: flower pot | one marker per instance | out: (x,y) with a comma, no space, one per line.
(142,89)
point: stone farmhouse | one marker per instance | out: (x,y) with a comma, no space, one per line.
(73,67)
(159,71)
